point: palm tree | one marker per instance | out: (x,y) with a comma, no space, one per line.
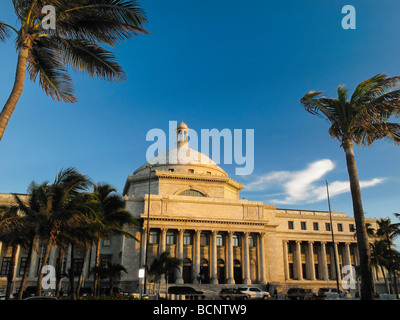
(30,209)
(388,231)
(379,258)
(10,234)
(157,271)
(82,26)
(361,120)
(109,270)
(111,216)
(61,211)
(168,264)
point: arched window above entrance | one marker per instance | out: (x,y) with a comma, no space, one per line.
(192,193)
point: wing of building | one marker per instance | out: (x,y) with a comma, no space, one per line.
(189,206)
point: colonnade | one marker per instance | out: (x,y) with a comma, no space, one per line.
(214,256)
(315,260)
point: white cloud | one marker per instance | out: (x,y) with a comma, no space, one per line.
(304,186)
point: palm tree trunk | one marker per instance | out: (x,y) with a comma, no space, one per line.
(71,273)
(97,262)
(40,276)
(26,269)
(10,273)
(59,271)
(367,290)
(385,279)
(78,286)
(16,92)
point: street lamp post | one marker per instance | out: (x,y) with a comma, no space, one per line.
(147,231)
(333,240)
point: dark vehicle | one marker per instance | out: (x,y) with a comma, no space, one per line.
(232,294)
(86,291)
(29,291)
(42,298)
(189,292)
(107,291)
(300,294)
(324,292)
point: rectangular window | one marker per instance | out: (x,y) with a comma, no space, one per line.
(316,226)
(235,240)
(303,225)
(187,239)
(171,238)
(340,227)
(220,240)
(153,237)
(204,239)
(327,226)
(77,265)
(352,228)
(5,265)
(252,241)
(22,265)
(106,242)
(290,225)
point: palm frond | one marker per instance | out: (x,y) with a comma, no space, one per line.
(46,62)
(87,57)
(3,31)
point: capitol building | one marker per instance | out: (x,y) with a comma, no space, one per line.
(194,210)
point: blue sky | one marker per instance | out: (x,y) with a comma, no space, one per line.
(219,64)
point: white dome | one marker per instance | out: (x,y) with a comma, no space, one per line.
(179,158)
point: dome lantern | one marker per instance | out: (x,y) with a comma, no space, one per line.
(182,134)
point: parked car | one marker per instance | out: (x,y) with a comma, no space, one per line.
(232,294)
(42,298)
(255,293)
(325,292)
(300,294)
(189,292)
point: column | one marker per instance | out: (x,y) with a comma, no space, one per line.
(347,259)
(230,266)
(310,262)
(34,261)
(196,270)
(298,268)
(324,266)
(214,276)
(163,240)
(262,258)
(178,273)
(336,261)
(246,279)
(285,259)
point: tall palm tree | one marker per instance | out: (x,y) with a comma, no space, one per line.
(61,211)
(168,264)
(379,258)
(362,120)
(109,211)
(109,270)
(388,231)
(31,209)
(82,27)
(11,234)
